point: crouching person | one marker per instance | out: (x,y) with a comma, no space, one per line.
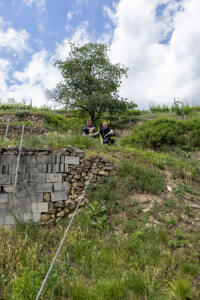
(88,130)
(107,133)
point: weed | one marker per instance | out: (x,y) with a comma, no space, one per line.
(180,289)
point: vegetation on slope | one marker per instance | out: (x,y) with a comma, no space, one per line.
(138,235)
(165,132)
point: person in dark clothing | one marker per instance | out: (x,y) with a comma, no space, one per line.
(106,132)
(88,129)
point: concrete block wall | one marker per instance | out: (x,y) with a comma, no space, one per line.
(42,182)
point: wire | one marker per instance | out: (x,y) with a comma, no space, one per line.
(68,227)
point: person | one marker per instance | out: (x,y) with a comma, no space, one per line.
(106,132)
(88,129)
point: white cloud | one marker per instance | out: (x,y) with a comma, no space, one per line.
(39,74)
(158,72)
(70,15)
(13,40)
(39,3)
(4,69)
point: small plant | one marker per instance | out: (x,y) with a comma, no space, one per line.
(27,285)
(180,289)
(96,214)
(188,211)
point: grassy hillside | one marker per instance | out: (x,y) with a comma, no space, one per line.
(138,235)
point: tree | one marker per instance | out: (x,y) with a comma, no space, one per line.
(90,81)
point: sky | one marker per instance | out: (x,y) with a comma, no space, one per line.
(158,40)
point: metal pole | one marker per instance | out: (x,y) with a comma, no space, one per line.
(18,159)
(7,128)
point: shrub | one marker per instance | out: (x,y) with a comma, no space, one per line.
(159,108)
(60,122)
(27,285)
(164,132)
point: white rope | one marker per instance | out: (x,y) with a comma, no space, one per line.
(18,160)
(68,227)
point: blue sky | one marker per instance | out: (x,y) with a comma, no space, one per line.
(52,21)
(157,39)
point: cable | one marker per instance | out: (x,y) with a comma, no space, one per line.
(68,227)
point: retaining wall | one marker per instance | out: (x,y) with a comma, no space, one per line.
(49,182)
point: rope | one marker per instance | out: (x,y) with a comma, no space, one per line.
(68,227)
(18,160)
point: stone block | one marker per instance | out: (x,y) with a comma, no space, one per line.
(9,220)
(37,169)
(25,197)
(4,209)
(31,216)
(54,177)
(26,217)
(36,216)
(8,188)
(3,198)
(21,178)
(26,187)
(8,159)
(39,178)
(72,160)
(60,159)
(5,179)
(45,159)
(59,196)
(29,159)
(55,168)
(44,187)
(61,186)
(63,168)
(2,221)
(39,207)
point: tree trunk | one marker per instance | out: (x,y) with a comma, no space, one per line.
(92,115)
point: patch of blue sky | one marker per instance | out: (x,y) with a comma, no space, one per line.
(166,39)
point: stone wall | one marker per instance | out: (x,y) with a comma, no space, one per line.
(49,182)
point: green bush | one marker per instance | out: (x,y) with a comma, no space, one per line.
(159,108)
(164,132)
(59,122)
(16,107)
(27,285)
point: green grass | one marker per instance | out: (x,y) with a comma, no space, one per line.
(141,178)
(54,140)
(112,251)
(97,261)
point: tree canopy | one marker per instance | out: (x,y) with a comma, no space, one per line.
(90,81)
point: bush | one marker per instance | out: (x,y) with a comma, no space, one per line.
(166,132)
(159,108)
(60,122)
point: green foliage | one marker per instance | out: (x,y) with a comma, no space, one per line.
(166,132)
(96,214)
(61,141)
(26,286)
(159,108)
(16,107)
(91,82)
(141,178)
(62,123)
